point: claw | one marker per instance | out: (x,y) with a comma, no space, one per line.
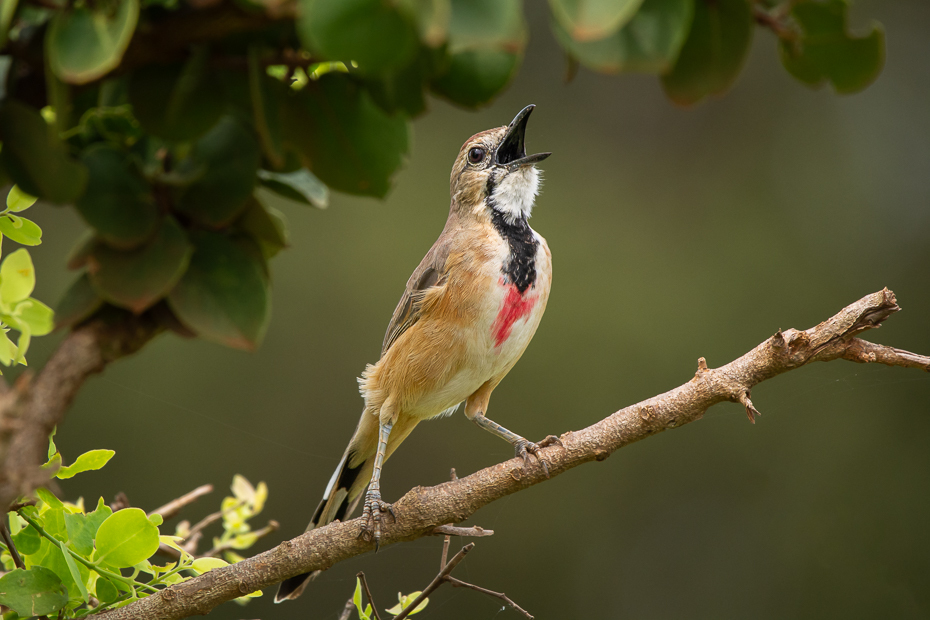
(525,448)
(372,517)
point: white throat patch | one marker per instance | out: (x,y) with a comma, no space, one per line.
(515,194)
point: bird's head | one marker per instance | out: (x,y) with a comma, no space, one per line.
(494,173)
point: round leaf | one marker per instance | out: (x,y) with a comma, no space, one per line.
(377,35)
(39,317)
(344,138)
(230,155)
(35,159)
(118,202)
(18,200)
(177,102)
(224,295)
(713,53)
(486,43)
(79,302)
(590,20)
(266,225)
(126,538)
(84,44)
(826,52)
(649,43)
(34,592)
(136,279)
(17,277)
(299,186)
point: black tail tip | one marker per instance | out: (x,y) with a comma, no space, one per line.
(293,587)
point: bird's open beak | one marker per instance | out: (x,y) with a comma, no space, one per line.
(512,149)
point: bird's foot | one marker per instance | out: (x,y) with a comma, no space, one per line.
(372,515)
(524,449)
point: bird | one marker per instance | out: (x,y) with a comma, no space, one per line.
(466,316)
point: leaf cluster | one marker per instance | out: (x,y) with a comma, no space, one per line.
(75,561)
(181,131)
(18,310)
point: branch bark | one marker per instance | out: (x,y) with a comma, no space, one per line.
(421,510)
(33,407)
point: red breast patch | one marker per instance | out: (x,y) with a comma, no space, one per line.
(514,308)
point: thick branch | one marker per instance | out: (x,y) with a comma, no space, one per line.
(421,510)
(30,410)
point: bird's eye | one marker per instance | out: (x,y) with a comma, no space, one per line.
(476,154)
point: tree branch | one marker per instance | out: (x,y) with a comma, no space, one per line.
(421,510)
(32,408)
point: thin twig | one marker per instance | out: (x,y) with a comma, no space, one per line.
(445,552)
(348,609)
(172,508)
(458,583)
(211,518)
(374,608)
(8,541)
(452,530)
(437,581)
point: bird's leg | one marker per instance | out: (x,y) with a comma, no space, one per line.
(523,447)
(374,507)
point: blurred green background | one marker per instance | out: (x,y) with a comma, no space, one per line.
(676,234)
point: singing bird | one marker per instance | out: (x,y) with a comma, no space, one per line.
(465,318)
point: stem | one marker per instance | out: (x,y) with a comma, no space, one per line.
(130,583)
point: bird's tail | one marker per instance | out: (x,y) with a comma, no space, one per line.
(345,488)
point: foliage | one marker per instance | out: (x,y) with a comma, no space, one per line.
(181,130)
(78,562)
(403,600)
(29,316)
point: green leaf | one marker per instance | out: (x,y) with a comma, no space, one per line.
(404,600)
(28,540)
(39,317)
(49,498)
(105,591)
(7,350)
(590,20)
(714,52)
(266,225)
(825,52)
(344,138)
(136,279)
(377,35)
(83,45)
(486,43)
(118,202)
(75,573)
(126,538)
(89,461)
(266,94)
(18,200)
(83,528)
(230,154)
(300,186)
(177,102)
(20,230)
(35,159)
(202,565)
(17,277)
(404,89)
(224,296)
(78,303)
(648,43)
(34,592)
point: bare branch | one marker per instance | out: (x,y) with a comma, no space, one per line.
(173,507)
(458,583)
(422,510)
(437,581)
(451,530)
(30,410)
(374,608)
